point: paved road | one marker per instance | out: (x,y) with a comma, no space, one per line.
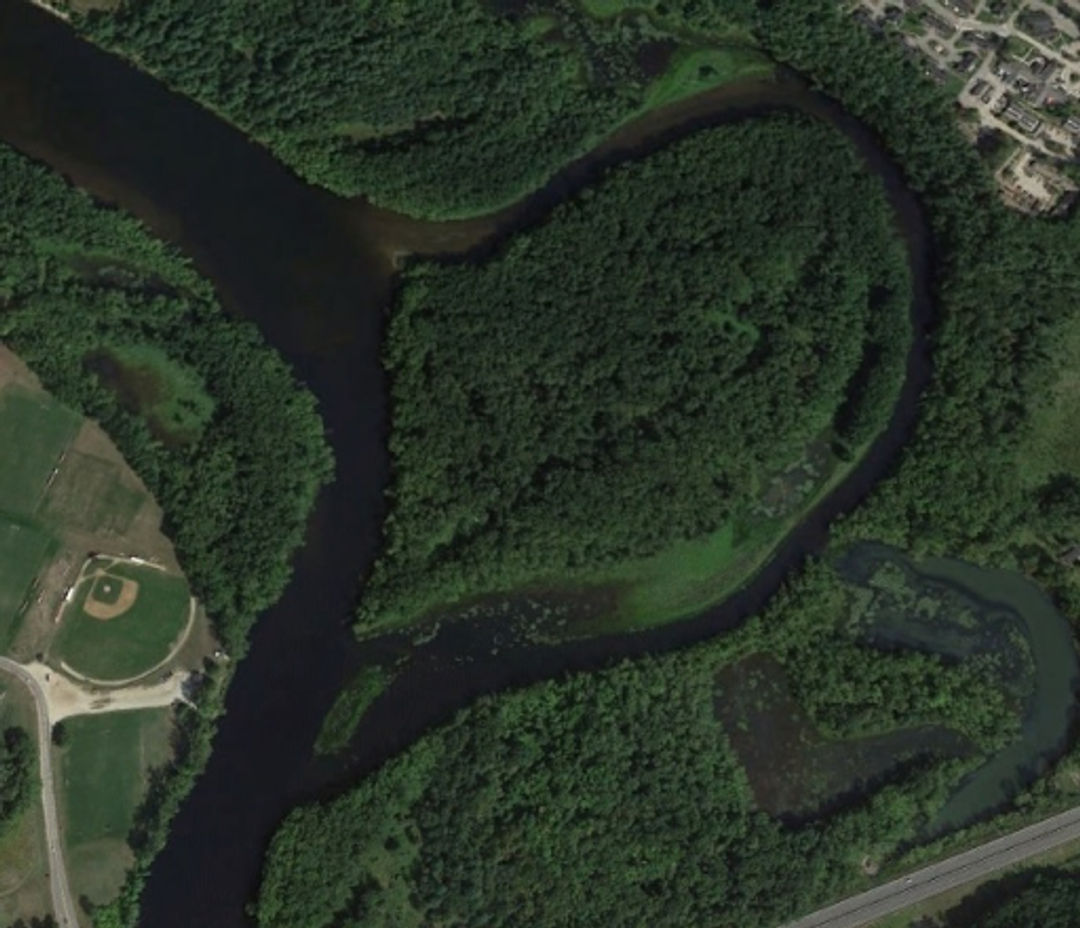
(920,885)
(63,907)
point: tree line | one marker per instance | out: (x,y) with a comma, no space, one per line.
(76,278)
(629,373)
(433,107)
(613,798)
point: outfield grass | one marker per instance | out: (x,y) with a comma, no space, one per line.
(24,549)
(103,767)
(132,643)
(41,429)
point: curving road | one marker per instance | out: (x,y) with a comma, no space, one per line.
(920,885)
(63,907)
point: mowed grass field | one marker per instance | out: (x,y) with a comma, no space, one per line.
(132,643)
(104,768)
(41,429)
(24,550)
(88,494)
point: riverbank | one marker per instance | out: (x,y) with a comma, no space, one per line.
(279,279)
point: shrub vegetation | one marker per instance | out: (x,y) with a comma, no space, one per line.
(237,495)
(435,107)
(630,373)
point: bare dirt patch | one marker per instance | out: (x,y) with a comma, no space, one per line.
(108,607)
(13,370)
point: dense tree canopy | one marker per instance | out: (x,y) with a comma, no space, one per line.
(616,798)
(17,780)
(77,278)
(557,787)
(432,106)
(1047,897)
(236,497)
(629,373)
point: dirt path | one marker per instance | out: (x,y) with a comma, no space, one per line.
(67,697)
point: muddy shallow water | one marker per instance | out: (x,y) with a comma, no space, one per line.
(315,272)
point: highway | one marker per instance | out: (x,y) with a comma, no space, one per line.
(919,885)
(63,907)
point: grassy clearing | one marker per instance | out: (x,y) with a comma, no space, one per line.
(132,643)
(698,69)
(104,768)
(41,429)
(349,708)
(1052,445)
(169,395)
(88,494)
(692,575)
(24,550)
(103,777)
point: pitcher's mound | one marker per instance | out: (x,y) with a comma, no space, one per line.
(110,596)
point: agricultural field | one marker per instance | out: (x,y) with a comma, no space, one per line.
(122,620)
(24,549)
(41,428)
(105,764)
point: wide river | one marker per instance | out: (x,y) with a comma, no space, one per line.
(315,272)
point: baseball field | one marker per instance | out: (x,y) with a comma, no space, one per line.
(121,620)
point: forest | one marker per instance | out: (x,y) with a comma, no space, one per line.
(235,494)
(615,798)
(434,107)
(649,363)
(17,780)
(1044,896)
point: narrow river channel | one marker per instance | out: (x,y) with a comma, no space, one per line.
(315,273)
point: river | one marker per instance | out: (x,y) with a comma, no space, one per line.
(315,272)
(970,610)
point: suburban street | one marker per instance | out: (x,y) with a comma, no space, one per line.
(63,907)
(979,862)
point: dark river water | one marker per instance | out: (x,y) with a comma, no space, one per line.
(315,273)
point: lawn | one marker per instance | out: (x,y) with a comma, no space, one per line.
(103,773)
(132,643)
(41,429)
(24,549)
